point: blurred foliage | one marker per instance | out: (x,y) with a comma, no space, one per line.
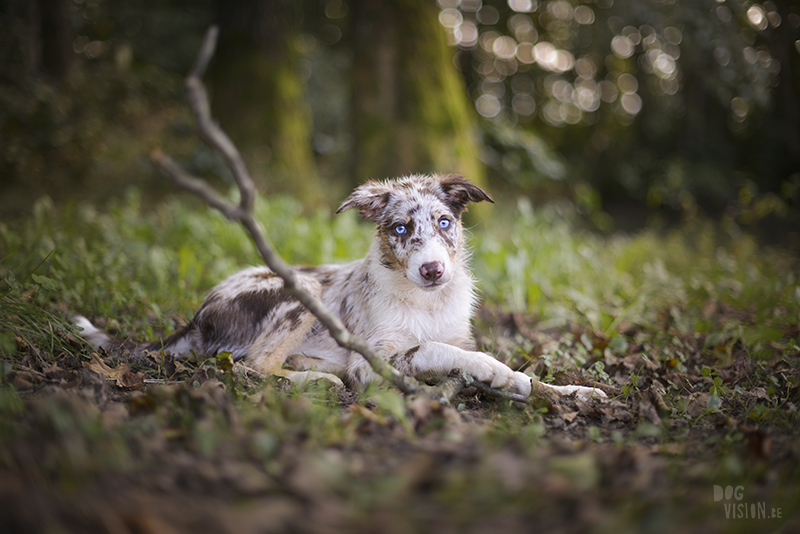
(666,101)
(673,103)
(90,133)
(542,265)
(125,263)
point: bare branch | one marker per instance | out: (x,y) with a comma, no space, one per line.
(193,185)
(219,141)
(206,52)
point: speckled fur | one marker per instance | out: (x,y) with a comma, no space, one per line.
(420,324)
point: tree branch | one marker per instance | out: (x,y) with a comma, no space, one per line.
(218,140)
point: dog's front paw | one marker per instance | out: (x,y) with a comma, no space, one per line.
(522,384)
(485,368)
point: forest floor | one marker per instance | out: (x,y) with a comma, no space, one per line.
(693,333)
(107,443)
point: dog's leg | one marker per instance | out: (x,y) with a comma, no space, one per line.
(438,359)
(281,336)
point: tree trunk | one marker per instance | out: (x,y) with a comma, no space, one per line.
(410,108)
(49,47)
(258,95)
(789,86)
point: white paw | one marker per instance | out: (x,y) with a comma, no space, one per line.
(485,368)
(581,392)
(522,384)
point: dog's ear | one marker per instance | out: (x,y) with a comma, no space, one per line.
(459,192)
(370,198)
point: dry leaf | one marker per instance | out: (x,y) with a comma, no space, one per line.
(99,366)
(569,417)
(648,412)
(131,380)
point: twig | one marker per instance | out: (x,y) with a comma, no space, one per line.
(217,139)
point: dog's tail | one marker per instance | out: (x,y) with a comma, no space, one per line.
(96,337)
(181,342)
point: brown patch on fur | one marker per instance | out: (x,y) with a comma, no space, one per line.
(234,322)
(388,258)
(264,275)
(402,360)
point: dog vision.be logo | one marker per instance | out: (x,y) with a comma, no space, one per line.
(735,509)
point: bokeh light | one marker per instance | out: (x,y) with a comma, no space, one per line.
(576,68)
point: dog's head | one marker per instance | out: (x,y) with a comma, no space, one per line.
(419,223)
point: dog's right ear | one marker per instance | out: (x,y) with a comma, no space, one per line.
(370,198)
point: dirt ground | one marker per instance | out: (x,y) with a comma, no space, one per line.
(109,443)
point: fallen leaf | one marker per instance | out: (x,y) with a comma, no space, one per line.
(648,412)
(23,381)
(131,380)
(758,442)
(698,404)
(99,366)
(569,417)
(54,372)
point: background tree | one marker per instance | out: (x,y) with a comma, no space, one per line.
(50,38)
(258,94)
(410,111)
(667,102)
(674,104)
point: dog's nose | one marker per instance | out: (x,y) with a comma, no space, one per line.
(432,270)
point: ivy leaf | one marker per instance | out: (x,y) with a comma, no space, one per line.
(714,403)
(44,282)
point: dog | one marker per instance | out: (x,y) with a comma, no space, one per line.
(412,298)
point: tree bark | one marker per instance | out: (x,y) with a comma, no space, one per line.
(258,95)
(50,34)
(410,108)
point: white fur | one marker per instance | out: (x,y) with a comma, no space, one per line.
(96,337)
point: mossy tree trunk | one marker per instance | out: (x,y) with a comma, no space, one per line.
(258,95)
(410,109)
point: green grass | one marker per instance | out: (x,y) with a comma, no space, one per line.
(690,280)
(142,264)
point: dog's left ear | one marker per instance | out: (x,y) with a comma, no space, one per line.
(459,192)
(370,198)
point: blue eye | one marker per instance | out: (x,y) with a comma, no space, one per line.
(400,229)
(444,223)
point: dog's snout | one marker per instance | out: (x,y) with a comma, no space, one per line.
(432,270)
